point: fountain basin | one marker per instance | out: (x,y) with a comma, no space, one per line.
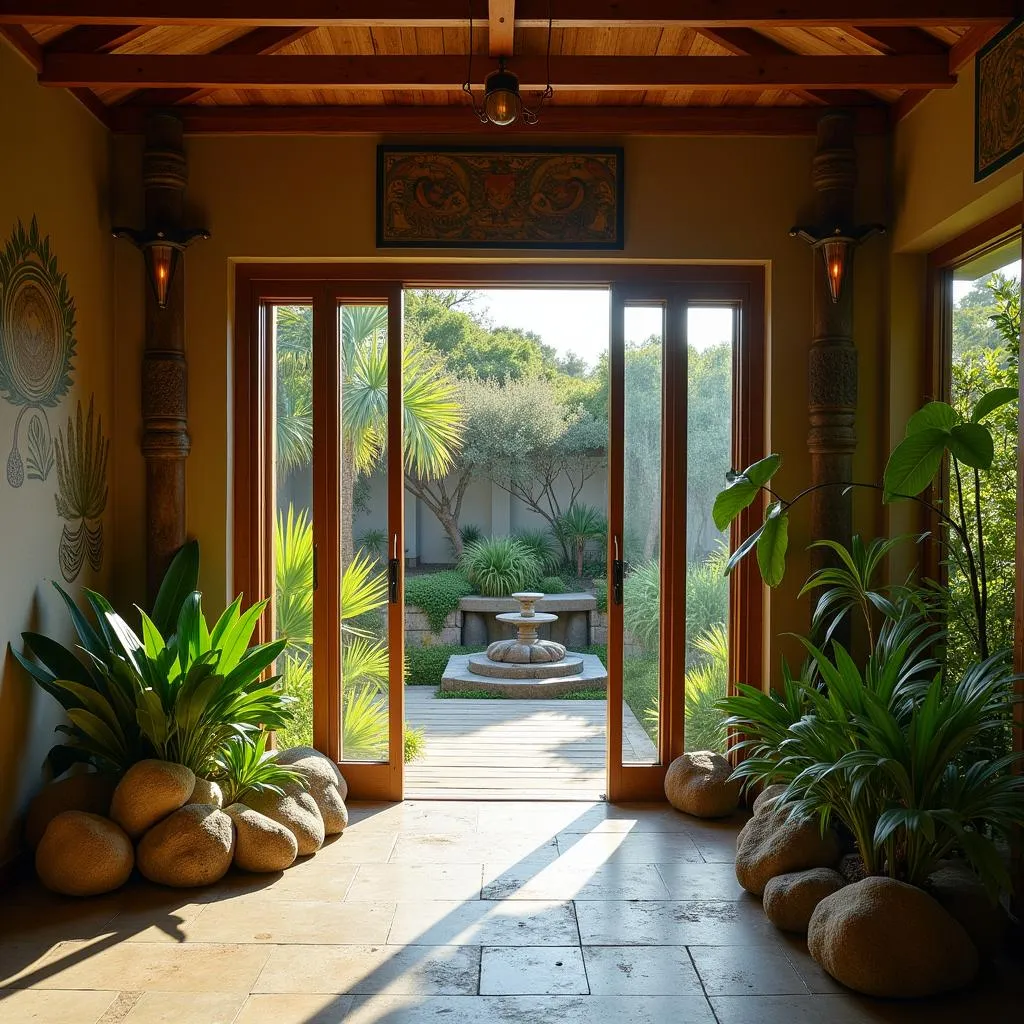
(590,674)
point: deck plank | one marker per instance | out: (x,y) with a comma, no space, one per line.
(513,749)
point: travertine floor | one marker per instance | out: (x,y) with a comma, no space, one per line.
(458,912)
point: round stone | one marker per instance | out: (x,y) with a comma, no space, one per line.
(889,939)
(149,791)
(298,812)
(313,764)
(698,783)
(206,792)
(83,854)
(191,847)
(89,792)
(789,900)
(261,844)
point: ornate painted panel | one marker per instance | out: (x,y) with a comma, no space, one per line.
(999,101)
(507,198)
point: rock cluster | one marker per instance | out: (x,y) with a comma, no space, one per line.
(89,832)
(875,935)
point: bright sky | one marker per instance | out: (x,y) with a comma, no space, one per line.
(961,288)
(576,320)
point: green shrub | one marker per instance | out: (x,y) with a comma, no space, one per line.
(552,585)
(641,604)
(500,566)
(415,743)
(437,594)
(542,544)
(601,594)
(707,595)
(424,666)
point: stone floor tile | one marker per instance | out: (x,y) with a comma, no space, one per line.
(485,923)
(413,816)
(293,1008)
(312,878)
(615,881)
(416,882)
(701,881)
(793,1009)
(185,1008)
(746,970)
(286,921)
(351,848)
(472,848)
(632,848)
(151,924)
(21,959)
(817,980)
(399,970)
(147,966)
(532,970)
(641,971)
(34,1006)
(673,923)
(531,1009)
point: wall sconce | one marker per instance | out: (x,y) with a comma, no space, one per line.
(837,251)
(162,252)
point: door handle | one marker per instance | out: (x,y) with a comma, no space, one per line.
(393,567)
(316,571)
(617,574)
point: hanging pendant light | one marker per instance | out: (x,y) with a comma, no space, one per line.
(503,104)
(161,251)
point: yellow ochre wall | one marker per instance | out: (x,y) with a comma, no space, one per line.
(312,198)
(54,164)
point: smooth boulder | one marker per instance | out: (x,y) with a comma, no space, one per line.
(261,844)
(789,900)
(89,792)
(191,847)
(315,764)
(82,854)
(768,796)
(698,784)
(149,791)
(298,812)
(206,792)
(889,939)
(963,895)
(776,842)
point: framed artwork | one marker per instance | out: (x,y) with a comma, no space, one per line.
(999,101)
(480,197)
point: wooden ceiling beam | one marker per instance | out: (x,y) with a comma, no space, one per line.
(897,39)
(431,120)
(501,20)
(447,72)
(258,41)
(95,38)
(746,42)
(530,13)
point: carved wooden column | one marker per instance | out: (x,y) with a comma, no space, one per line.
(165,440)
(832,378)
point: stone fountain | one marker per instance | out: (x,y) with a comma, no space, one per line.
(525,665)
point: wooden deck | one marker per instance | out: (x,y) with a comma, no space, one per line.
(513,749)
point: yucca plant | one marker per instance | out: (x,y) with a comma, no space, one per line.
(541,543)
(245,766)
(641,604)
(579,526)
(499,566)
(706,684)
(293,577)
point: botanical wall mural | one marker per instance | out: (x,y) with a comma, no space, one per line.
(81,454)
(37,345)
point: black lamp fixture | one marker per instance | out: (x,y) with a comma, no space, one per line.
(503,103)
(836,250)
(161,249)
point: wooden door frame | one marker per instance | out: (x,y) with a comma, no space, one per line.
(256,284)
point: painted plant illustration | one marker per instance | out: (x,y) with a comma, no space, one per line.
(81,458)
(37,345)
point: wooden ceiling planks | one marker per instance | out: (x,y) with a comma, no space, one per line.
(654,38)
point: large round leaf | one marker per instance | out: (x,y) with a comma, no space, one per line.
(772,545)
(743,489)
(914,463)
(971,444)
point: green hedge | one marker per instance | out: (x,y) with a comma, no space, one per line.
(424,666)
(437,594)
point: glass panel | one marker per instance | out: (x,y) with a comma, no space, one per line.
(292,334)
(363,474)
(710,332)
(985,356)
(641,604)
